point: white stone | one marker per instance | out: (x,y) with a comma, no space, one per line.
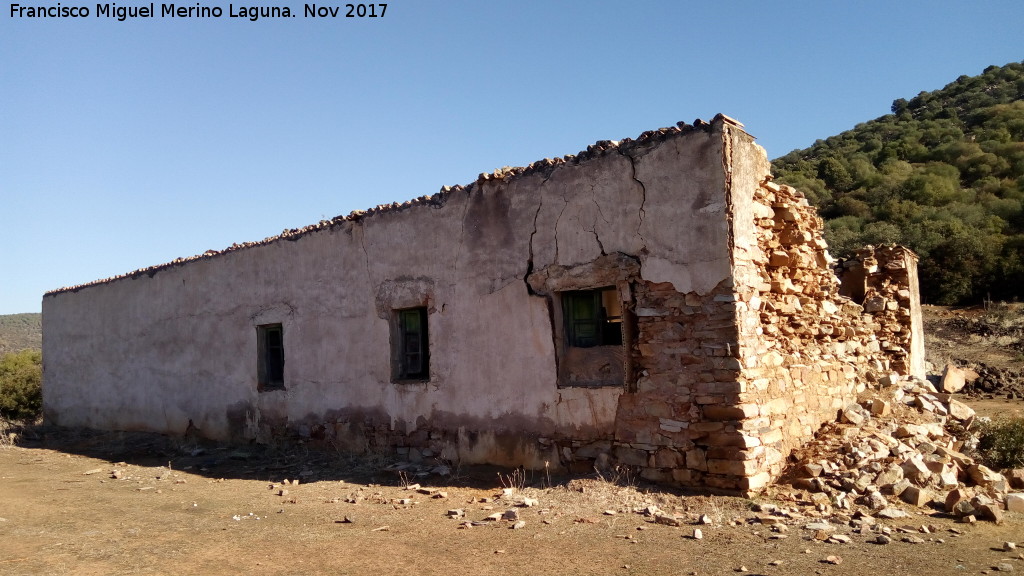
(1015,502)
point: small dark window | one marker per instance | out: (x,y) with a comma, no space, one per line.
(592,318)
(270,346)
(411,345)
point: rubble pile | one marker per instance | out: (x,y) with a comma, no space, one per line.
(983,381)
(895,448)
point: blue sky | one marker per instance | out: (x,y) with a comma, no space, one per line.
(129,144)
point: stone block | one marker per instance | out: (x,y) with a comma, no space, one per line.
(954,501)
(984,476)
(880,407)
(899,487)
(723,413)
(631,456)
(1015,502)
(727,467)
(890,475)
(960,411)
(696,460)
(756,482)
(593,449)
(668,458)
(953,379)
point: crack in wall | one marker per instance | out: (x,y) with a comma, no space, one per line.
(462,237)
(366,255)
(557,220)
(529,261)
(643,194)
(594,230)
(730,205)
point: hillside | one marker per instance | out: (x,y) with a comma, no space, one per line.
(20,332)
(942,174)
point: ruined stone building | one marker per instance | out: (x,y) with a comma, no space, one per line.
(656,303)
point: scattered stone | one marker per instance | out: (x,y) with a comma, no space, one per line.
(953,379)
(1015,502)
(916,496)
(529,502)
(882,539)
(911,539)
(1009,546)
(839,539)
(668,520)
(1003,567)
(989,511)
(960,411)
(610,512)
(93,471)
(704,519)
(456,513)
(511,515)
(891,513)
(519,525)
(833,560)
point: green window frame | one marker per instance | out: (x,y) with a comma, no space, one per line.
(412,345)
(592,318)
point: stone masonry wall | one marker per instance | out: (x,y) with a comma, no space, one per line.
(686,389)
(807,351)
(884,280)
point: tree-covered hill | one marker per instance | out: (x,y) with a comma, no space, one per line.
(20,332)
(943,174)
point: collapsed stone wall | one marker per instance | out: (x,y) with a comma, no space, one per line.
(884,280)
(808,351)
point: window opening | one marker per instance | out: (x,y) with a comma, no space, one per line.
(270,344)
(592,318)
(413,347)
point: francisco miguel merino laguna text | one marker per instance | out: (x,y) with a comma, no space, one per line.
(253,13)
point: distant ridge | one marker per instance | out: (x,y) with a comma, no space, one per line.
(20,332)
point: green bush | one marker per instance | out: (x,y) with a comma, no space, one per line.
(21,390)
(1001,443)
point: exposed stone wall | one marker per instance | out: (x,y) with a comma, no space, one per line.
(884,280)
(806,351)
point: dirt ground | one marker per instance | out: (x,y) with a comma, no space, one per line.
(223,512)
(89,503)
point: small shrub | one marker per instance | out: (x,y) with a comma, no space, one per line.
(21,390)
(1001,443)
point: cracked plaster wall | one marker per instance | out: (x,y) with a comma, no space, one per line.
(154,351)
